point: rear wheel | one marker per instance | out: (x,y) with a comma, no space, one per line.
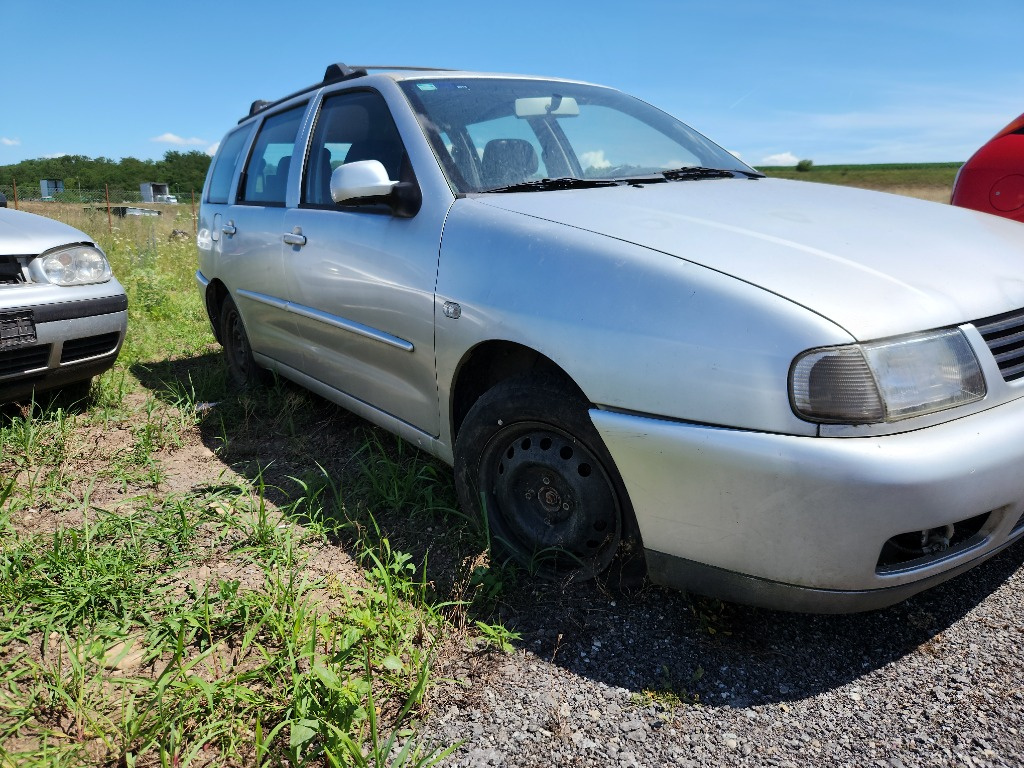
(529,460)
(242,367)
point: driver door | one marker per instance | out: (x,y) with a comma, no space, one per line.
(363,295)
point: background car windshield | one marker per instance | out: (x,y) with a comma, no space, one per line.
(491,132)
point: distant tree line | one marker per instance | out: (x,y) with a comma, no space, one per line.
(181,171)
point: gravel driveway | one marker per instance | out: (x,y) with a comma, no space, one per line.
(661,679)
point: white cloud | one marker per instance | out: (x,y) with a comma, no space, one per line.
(595,159)
(55,155)
(10,142)
(171,138)
(899,125)
(735,154)
(212,149)
(781,158)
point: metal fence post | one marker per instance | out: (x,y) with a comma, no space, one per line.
(110,224)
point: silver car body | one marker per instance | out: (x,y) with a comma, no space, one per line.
(54,335)
(678,310)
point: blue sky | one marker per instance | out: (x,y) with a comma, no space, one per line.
(836,82)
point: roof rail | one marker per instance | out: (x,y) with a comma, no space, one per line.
(336,73)
(405,69)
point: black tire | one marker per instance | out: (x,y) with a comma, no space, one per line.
(242,367)
(529,461)
(78,391)
(74,393)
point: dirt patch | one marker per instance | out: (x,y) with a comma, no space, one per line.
(936,194)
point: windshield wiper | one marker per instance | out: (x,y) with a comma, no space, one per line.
(564,182)
(687,173)
(695,172)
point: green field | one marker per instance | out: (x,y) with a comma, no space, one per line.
(931,181)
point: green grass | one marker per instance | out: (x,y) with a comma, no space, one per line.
(142,660)
(141,625)
(254,674)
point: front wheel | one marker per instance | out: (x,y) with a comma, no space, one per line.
(529,460)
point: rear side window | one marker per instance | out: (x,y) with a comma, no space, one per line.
(266,174)
(224,166)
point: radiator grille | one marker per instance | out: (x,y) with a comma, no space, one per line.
(1004,335)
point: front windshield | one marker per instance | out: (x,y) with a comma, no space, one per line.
(491,133)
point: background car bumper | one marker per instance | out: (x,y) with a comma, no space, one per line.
(75,341)
(799,523)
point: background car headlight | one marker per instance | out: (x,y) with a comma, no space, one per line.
(76,266)
(886,380)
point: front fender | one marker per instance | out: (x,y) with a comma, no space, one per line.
(638,330)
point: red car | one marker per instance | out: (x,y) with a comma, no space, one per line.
(993,179)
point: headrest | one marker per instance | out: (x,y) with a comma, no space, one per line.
(508,161)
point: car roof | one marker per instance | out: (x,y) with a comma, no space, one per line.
(339,72)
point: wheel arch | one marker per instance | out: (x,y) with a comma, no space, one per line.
(492,362)
(216,291)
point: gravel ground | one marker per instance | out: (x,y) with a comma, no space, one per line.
(657,678)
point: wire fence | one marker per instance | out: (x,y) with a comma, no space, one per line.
(117,196)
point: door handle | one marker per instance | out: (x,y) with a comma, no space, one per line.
(229,228)
(295,237)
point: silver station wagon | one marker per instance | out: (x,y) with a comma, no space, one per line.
(634,349)
(63,315)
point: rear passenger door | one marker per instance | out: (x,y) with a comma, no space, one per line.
(364,278)
(251,238)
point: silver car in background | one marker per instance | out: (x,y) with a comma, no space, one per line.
(633,348)
(63,315)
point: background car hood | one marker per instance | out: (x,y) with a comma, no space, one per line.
(876,264)
(25,234)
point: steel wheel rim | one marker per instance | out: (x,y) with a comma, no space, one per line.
(551,501)
(239,345)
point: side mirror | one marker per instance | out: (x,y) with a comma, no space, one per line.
(368,180)
(364,178)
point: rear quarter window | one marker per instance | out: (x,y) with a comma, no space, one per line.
(224,166)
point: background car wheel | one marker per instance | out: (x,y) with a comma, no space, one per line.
(242,368)
(78,391)
(529,458)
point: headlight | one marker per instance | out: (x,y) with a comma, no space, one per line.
(76,266)
(886,380)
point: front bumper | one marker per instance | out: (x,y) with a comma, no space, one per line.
(799,523)
(75,340)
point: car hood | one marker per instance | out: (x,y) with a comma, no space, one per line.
(876,264)
(25,234)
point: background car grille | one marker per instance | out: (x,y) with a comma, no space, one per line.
(23,360)
(90,346)
(1004,335)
